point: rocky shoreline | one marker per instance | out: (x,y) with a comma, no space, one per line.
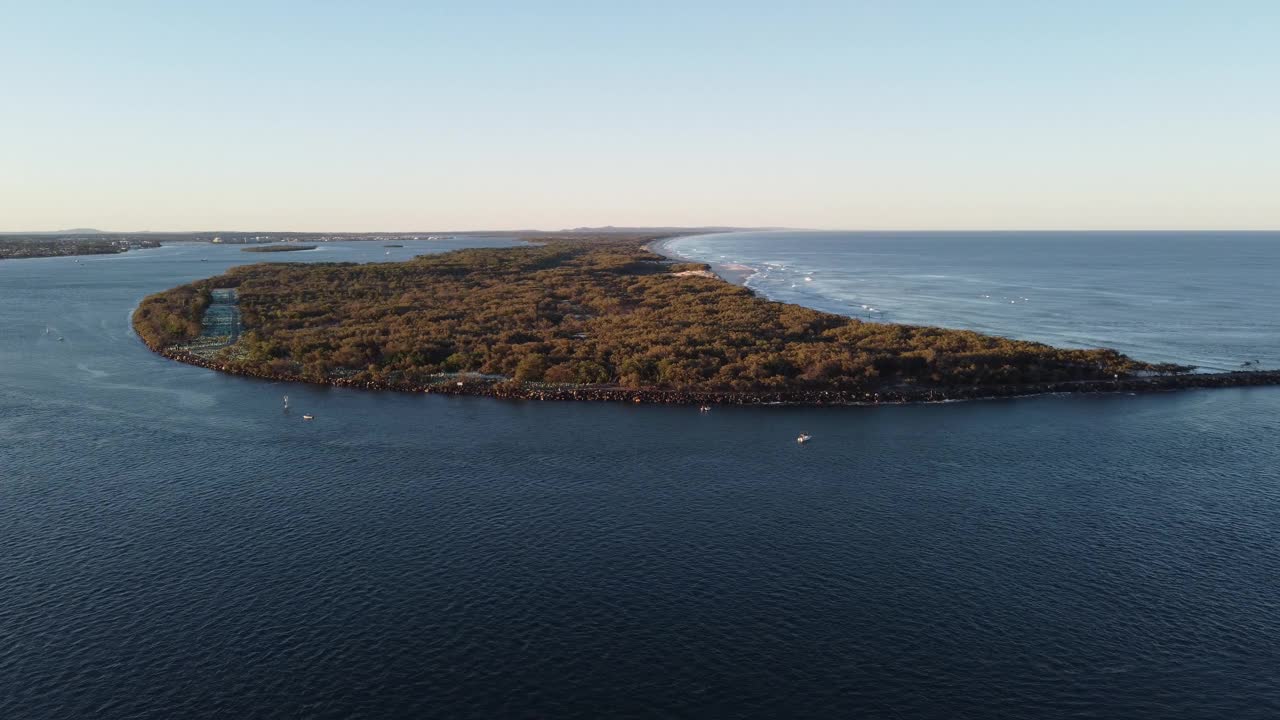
(881,396)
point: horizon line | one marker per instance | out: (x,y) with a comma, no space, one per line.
(643,228)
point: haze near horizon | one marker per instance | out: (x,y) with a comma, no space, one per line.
(406,116)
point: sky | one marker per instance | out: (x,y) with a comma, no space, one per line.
(489,115)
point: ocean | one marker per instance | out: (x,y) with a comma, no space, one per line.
(176,544)
(1206,299)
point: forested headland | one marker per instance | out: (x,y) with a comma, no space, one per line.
(579,313)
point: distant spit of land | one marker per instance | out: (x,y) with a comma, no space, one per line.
(97,242)
(16,247)
(288,247)
(600,317)
(88,241)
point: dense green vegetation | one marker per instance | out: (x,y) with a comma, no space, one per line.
(173,316)
(583,311)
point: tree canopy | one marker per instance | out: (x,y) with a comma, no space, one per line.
(590,311)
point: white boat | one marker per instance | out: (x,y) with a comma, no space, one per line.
(308,417)
(705,408)
(803,438)
(286,402)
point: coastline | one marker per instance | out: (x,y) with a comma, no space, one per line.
(903,390)
(902,295)
(901,395)
(75,252)
(734,273)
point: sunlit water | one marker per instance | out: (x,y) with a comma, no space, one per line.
(176,545)
(1208,299)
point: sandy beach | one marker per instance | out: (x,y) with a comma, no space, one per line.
(736,273)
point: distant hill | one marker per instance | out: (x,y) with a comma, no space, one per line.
(72,231)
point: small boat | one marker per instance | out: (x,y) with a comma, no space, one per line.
(803,438)
(60,339)
(705,408)
(286,402)
(308,417)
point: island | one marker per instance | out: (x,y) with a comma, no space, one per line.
(599,317)
(276,248)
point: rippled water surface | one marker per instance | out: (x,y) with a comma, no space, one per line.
(173,544)
(1208,299)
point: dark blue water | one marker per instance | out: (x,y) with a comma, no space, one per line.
(175,545)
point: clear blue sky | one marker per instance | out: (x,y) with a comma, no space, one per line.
(457,115)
